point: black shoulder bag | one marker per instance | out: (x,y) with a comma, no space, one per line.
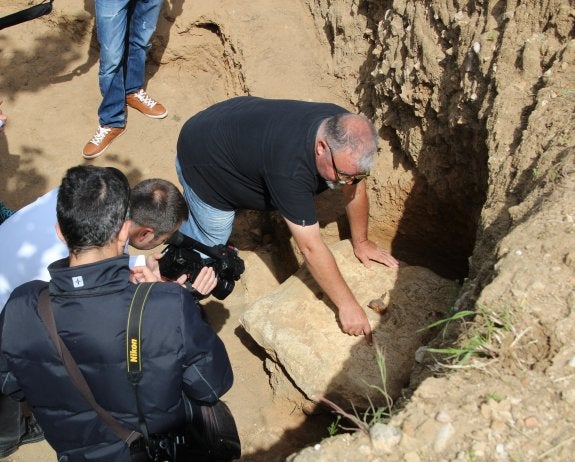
(212,436)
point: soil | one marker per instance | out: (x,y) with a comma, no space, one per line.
(474,107)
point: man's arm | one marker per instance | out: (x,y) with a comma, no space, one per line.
(207,371)
(323,267)
(357,210)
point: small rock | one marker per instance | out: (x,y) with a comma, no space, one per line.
(384,437)
(442,437)
(420,354)
(531,422)
(379,305)
(443,417)
(501,452)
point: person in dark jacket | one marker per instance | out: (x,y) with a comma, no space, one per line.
(184,362)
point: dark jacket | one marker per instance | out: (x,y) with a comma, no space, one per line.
(181,355)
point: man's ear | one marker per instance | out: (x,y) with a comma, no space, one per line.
(320,148)
(141,235)
(59,233)
(124,233)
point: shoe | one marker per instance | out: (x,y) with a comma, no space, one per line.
(101,140)
(146,105)
(33,434)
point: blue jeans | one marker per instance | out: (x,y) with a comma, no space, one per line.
(125,28)
(206,224)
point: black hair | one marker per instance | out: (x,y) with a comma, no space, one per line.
(93,203)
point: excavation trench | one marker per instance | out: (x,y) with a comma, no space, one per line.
(426,192)
(426,189)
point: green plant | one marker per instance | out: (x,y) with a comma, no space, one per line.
(494,397)
(372,414)
(333,427)
(536,172)
(479,339)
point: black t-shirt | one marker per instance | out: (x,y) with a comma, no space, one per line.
(256,154)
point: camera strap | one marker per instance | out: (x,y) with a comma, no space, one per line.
(133,346)
(27,14)
(47,316)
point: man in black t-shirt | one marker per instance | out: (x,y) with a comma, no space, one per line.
(261,154)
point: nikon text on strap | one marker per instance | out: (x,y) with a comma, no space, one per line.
(26,15)
(134,343)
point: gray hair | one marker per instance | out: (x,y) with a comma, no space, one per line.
(353,133)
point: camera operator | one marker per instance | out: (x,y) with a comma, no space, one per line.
(183,359)
(28,243)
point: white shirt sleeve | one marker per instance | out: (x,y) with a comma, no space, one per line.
(28,244)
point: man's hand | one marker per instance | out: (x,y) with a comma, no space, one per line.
(206,280)
(366,251)
(154,265)
(354,322)
(142,274)
(151,272)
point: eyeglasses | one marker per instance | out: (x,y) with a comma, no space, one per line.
(344,178)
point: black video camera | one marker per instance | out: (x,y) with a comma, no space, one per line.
(182,256)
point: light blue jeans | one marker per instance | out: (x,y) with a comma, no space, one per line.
(125,28)
(206,224)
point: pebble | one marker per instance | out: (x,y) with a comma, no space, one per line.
(420,354)
(501,452)
(384,437)
(443,417)
(442,437)
(531,422)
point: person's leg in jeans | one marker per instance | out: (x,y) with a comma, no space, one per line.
(112,28)
(205,223)
(143,20)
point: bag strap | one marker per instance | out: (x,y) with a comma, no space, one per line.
(26,15)
(47,316)
(133,346)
